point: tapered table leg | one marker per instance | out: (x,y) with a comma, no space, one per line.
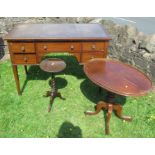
(25,67)
(15,72)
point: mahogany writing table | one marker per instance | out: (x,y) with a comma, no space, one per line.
(28,43)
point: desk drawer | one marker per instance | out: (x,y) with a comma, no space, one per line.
(24,58)
(22,47)
(77,56)
(91,55)
(58,47)
(93,46)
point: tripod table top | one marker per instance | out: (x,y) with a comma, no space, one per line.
(52,65)
(117,77)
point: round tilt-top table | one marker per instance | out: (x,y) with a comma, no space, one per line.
(118,79)
(52,65)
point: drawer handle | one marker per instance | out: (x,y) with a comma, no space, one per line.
(25,59)
(45,47)
(23,49)
(92,57)
(72,47)
(93,47)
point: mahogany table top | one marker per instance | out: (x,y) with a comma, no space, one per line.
(52,65)
(117,77)
(58,32)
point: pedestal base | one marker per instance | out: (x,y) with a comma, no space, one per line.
(53,93)
(109,106)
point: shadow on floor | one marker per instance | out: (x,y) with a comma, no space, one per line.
(68,130)
(96,94)
(72,68)
(60,83)
(92,92)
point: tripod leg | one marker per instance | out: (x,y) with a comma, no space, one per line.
(101,105)
(59,95)
(48,93)
(118,109)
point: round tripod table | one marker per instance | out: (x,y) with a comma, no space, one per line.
(52,65)
(117,78)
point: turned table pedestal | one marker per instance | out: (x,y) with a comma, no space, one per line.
(118,79)
(52,65)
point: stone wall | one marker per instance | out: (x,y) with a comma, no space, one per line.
(127,44)
(131,46)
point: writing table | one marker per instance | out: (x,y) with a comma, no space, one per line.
(28,43)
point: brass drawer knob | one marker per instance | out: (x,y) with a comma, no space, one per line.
(23,49)
(92,57)
(45,47)
(93,47)
(72,47)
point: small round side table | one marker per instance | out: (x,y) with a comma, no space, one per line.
(118,79)
(52,65)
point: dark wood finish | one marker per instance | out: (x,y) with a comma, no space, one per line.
(77,55)
(93,46)
(58,32)
(24,59)
(91,55)
(28,43)
(23,47)
(53,93)
(52,65)
(119,78)
(109,106)
(16,76)
(58,47)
